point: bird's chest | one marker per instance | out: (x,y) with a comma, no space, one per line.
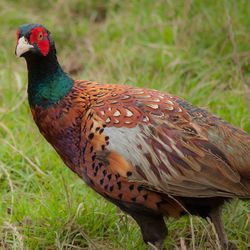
(61,128)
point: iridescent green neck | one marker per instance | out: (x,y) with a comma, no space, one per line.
(48,83)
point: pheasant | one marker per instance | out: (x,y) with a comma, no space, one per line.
(151,153)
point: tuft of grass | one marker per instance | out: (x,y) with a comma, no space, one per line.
(195,49)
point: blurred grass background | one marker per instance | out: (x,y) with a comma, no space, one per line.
(199,50)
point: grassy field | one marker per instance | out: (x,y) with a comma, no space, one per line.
(199,50)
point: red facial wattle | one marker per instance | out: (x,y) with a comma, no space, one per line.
(40,37)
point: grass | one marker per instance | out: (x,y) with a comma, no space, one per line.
(195,49)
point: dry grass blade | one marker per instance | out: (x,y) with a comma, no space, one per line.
(4,169)
(37,168)
(9,133)
(192,231)
(215,233)
(22,100)
(16,235)
(152,247)
(183,244)
(18,81)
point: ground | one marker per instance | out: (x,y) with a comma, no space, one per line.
(199,50)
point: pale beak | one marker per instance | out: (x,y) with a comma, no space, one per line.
(22,46)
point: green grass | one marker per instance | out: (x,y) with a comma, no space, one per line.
(199,50)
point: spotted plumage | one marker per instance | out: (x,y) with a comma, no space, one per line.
(151,153)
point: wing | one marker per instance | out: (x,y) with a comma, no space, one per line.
(172,147)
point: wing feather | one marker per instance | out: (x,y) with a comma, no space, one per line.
(174,147)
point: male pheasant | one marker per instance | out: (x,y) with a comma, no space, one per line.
(151,153)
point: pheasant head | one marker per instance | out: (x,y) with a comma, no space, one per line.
(33,39)
(47,81)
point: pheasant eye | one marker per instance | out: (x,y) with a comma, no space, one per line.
(40,36)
